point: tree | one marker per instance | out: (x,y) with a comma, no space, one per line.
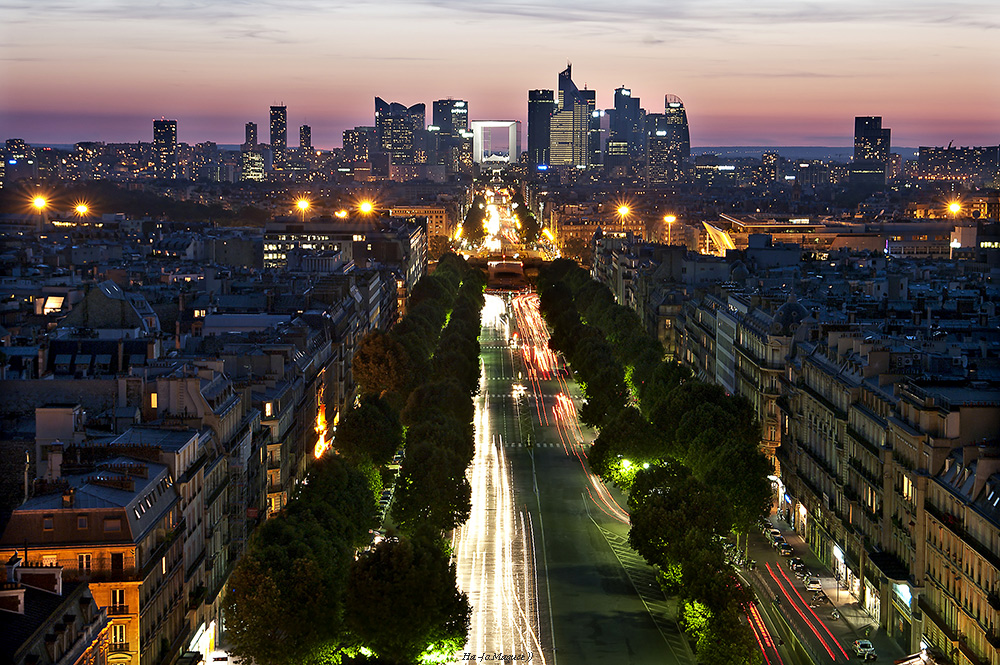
(285,597)
(432,491)
(370,431)
(402,600)
(381,364)
(473,229)
(341,498)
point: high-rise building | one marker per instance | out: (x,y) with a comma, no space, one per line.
(871,151)
(250,131)
(279,133)
(570,125)
(541,106)
(451,117)
(668,143)
(358,143)
(165,148)
(772,165)
(625,138)
(305,137)
(395,125)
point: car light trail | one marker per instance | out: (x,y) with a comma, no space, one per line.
(801,614)
(813,612)
(494,550)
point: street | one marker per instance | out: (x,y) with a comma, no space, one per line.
(544,556)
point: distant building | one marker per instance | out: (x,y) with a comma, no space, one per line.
(279,132)
(570,124)
(305,137)
(451,117)
(541,106)
(250,141)
(871,151)
(165,148)
(395,127)
(668,143)
(625,136)
(977,166)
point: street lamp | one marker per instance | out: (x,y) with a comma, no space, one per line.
(366,207)
(669,219)
(954,208)
(302,205)
(82,209)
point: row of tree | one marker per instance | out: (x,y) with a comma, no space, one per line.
(687,453)
(302,593)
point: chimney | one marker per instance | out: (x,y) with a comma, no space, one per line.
(68,498)
(12,563)
(55,461)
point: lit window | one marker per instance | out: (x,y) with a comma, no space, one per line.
(152,400)
(268,409)
(83,563)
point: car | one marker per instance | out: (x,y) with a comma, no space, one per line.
(784,549)
(813,584)
(864,649)
(796,563)
(778,542)
(771,534)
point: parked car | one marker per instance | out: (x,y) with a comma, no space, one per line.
(864,649)
(771,534)
(778,542)
(796,564)
(813,584)
(784,549)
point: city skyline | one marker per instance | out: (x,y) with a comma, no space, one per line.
(760,75)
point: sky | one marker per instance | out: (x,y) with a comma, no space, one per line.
(750,72)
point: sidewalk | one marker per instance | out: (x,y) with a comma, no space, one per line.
(854,623)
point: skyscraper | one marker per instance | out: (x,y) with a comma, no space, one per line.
(251,136)
(279,133)
(570,124)
(668,143)
(625,138)
(395,125)
(305,137)
(165,148)
(358,143)
(451,117)
(871,151)
(541,106)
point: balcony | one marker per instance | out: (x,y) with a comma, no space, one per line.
(117,610)
(994,639)
(117,647)
(955,526)
(994,600)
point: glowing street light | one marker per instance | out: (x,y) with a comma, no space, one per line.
(954,208)
(302,205)
(81,209)
(39,203)
(669,219)
(623,211)
(366,207)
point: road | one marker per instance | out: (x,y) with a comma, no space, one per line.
(544,556)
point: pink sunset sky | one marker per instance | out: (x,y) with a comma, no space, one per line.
(761,72)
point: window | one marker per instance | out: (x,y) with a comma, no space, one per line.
(48,523)
(112,525)
(268,409)
(118,634)
(152,400)
(81,521)
(83,563)
(118,600)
